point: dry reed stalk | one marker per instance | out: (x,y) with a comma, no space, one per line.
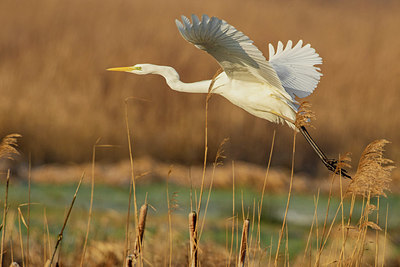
(11,241)
(344,162)
(258,237)
(209,94)
(60,235)
(384,243)
(270,254)
(316,224)
(128,215)
(241,201)
(169,220)
(352,258)
(91,199)
(128,134)
(29,212)
(244,243)
(288,200)
(325,222)
(257,246)
(90,204)
(329,231)
(315,218)
(3,229)
(377,234)
(303,118)
(363,228)
(47,232)
(342,256)
(237,238)
(226,241)
(20,237)
(327,211)
(44,239)
(286,263)
(347,226)
(141,226)
(233,210)
(193,261)
(252,226)
(219,155)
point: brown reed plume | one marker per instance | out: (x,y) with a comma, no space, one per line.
(304,115)
(373,174)
(8,146)
(344,161)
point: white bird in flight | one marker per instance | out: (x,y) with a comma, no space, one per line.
(266,89)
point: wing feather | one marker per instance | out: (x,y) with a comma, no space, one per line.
(233,50)
(295,67)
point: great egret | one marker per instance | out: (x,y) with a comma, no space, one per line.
(266,89)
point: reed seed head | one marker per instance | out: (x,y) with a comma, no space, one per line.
(373,174)
(304,115)
(8,146)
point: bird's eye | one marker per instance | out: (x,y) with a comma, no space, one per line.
(138,68)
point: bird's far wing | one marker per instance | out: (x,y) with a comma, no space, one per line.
(233,50)
(295,67)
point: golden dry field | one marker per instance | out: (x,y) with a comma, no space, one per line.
(57,94)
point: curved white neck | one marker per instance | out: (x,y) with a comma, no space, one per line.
(173,81)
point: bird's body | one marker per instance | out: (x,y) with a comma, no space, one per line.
(266,89)
(259,99)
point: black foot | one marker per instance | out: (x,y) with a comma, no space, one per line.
(331,164)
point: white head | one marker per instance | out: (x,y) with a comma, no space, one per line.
(136,69)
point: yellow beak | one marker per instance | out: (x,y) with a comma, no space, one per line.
(126,69)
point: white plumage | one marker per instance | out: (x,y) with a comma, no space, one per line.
(233,50)
(295,67)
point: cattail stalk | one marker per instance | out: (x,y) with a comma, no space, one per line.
(243,243)
(141,227)
(3,234)
(193,239)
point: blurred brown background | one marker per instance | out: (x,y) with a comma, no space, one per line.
(56,93)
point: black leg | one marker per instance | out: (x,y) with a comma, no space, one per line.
(331,164)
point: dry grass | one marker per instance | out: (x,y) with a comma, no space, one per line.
(53,78)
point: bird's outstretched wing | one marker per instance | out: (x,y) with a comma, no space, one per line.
(233,50)
(295,67)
